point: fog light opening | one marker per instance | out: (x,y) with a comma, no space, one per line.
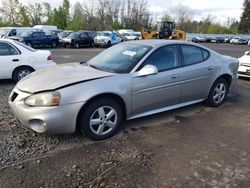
(38,125)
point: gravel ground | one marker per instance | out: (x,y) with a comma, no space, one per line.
(18,143)
(194,146)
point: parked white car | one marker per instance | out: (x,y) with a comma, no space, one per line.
(18,60)
(131,36)
(107,38)
(244,66)
(236,40)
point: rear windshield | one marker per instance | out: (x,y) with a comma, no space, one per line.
(25,34)
(25,46)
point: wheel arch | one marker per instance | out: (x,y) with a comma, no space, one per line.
(113,96)
(227,77)
(21,66)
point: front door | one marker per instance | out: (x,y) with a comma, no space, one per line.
(160,90)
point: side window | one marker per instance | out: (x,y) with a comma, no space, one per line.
(7,50)
(83,35)
(164,58)
(191,55)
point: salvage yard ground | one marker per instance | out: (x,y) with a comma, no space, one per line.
(196,146)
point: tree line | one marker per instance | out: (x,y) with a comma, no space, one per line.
(113,14)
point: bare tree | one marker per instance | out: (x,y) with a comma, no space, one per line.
(10,11)
(182,15)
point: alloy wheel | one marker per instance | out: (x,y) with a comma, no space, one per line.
(23,73)
(219,93)
(103,120)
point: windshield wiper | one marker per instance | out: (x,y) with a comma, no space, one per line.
(95,67)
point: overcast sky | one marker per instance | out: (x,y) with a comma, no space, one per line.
(219,9)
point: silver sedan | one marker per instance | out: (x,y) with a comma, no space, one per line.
(127,81)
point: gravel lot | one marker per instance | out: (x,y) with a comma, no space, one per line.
(195,146)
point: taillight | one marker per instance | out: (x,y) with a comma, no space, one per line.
(50,58)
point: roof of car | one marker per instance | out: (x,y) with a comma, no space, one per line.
(158,42)
(6,40)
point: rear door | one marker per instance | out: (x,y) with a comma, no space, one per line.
(9,59)
(197,74)
(160,90)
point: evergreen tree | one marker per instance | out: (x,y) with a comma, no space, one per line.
(244,26)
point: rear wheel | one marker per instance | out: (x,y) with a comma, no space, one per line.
(21,72)
(92,44)
(218,93)
(101,119)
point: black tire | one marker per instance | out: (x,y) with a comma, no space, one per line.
(109,44)
(16,74)
(76,45)
(210,100)
(91,110)
(54,44)
(92,44)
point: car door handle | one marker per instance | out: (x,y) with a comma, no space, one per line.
(211,68)
(175,76)
(15,60)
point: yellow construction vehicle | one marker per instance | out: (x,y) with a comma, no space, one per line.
(165,30)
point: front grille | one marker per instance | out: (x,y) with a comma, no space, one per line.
(13,97)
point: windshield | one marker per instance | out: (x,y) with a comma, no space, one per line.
(4,32)
(25,34)
(126,34)
(121,58)
(25,46)
(104,34)
(73,35)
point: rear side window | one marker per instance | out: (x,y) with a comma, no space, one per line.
(192,55)
(205,54)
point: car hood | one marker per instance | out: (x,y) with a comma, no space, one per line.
(59,76)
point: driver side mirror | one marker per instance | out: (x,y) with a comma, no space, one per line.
(146,71)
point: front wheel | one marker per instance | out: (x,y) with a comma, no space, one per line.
(218,93)
(76,45)
(101,119)
(109,44)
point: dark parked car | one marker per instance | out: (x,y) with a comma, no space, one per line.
(78,39)
(39,39)
(218,40)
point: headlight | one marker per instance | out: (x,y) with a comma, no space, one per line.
(44,99)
